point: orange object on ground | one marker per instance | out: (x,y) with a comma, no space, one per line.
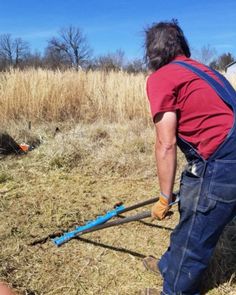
(25,147)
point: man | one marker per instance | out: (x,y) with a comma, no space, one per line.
(193,107)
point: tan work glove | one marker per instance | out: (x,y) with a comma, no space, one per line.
(160,209)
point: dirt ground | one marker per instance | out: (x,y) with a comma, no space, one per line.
(71,178)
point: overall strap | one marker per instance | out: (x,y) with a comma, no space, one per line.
(226,83)
(226,95)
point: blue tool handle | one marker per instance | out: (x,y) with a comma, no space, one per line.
(99,220)
(63,239)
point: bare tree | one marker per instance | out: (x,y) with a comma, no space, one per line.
(136,66)
(70,47)
(111,61)
(13,51)
(34,60)
(205,55)
(55,59)
(222,61)
(21,50)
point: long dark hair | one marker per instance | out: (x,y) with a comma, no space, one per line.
(164,41)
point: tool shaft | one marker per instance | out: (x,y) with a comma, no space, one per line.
(139,216)
(148,202)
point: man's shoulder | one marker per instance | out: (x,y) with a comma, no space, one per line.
(173,71)
(166,74)
(162,73)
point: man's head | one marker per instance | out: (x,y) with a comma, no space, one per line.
(164,41)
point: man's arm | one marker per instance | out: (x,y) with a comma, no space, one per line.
(166,157)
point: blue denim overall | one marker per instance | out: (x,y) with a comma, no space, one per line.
(207,204)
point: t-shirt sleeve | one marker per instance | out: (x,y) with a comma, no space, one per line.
(161,94)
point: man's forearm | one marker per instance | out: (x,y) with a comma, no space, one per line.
(166,157)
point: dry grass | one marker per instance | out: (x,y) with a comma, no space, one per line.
(73,176)
(39,95)
(58,96)
(77,173)
(47,191)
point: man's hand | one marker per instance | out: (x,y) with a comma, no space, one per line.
(160,209)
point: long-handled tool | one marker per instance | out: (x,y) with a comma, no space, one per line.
(136,217)
(99,222)
(63,239)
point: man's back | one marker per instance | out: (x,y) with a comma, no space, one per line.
(204,120)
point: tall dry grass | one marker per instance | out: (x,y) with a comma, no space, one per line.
(84,96)
(36,95)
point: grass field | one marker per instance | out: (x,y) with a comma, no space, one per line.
(36,95)
(103,154)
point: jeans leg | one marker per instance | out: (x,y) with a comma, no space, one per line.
(193,242)
(163,262)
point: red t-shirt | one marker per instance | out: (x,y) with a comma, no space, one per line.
(204,120)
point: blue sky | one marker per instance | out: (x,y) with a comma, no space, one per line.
(111,25)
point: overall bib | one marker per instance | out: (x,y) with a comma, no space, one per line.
(207,204)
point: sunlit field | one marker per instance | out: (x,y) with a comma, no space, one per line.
(35,95)
(82,96)
(94,147)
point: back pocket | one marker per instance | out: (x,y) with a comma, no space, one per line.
(223,182)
